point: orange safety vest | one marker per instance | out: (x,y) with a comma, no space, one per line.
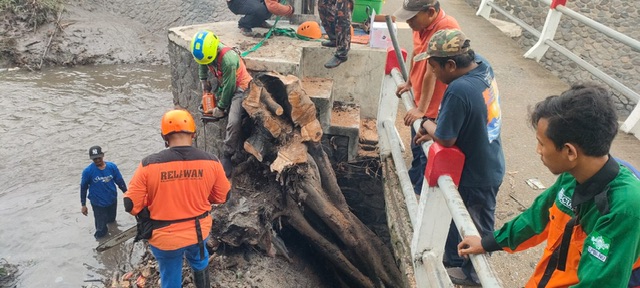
(242,75)
(178,184)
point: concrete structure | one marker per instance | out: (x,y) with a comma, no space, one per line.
(356,83)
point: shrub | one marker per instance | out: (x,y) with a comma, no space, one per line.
(34,12)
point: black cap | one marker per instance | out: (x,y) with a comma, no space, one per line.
(95,152)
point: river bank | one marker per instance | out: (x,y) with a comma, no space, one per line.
(94,104)
(47,33)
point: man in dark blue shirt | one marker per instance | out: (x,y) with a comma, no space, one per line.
(100,178)
(469,118)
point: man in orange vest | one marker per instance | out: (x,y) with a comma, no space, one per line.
(171,194)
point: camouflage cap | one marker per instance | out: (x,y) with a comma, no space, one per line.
(447,43)
(411,8)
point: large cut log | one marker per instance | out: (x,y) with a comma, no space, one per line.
(258,144)
(297,220)
(289,155)
(291,177)
(260,105)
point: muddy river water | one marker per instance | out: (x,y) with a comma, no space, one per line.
(48,121)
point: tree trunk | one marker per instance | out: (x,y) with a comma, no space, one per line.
(299,183)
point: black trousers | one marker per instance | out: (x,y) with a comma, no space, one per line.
(255,12)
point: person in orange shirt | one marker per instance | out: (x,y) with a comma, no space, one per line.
(170,194)
(256,12)
(278,9)
(425,19)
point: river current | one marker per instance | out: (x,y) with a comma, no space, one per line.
(48,121)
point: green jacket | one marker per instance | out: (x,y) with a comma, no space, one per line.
(231,76)
(603,248)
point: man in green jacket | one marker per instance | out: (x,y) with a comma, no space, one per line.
(590,217)
(232,79)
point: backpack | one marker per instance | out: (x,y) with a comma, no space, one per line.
(634,281)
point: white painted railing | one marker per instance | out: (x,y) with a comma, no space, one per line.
(557,8)
(431,215)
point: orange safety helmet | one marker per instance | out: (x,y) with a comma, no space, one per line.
(310,29)
(176,121)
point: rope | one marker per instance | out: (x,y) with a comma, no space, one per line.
(255,47)
(289,32)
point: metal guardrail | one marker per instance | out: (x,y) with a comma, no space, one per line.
(401,169)
(515,19)
(465,225)
(545,40)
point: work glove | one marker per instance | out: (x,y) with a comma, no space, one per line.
(206,85)
(218,113)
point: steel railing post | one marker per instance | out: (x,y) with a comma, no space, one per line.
(548,33)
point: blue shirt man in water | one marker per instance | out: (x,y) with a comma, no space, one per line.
(100,179)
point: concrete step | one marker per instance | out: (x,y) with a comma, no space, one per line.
(320,90)
(356,81)
(345,121)
(368,141)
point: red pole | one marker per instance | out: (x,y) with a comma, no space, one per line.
(555,3)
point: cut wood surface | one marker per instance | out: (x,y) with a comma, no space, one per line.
(290,180)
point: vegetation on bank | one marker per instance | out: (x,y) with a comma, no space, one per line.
(18,17)
(33,12)
(8,274)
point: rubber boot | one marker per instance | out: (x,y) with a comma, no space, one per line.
(201,278)
(332,39)
(246,31)
(265,24)
(329,43)
(336,60)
